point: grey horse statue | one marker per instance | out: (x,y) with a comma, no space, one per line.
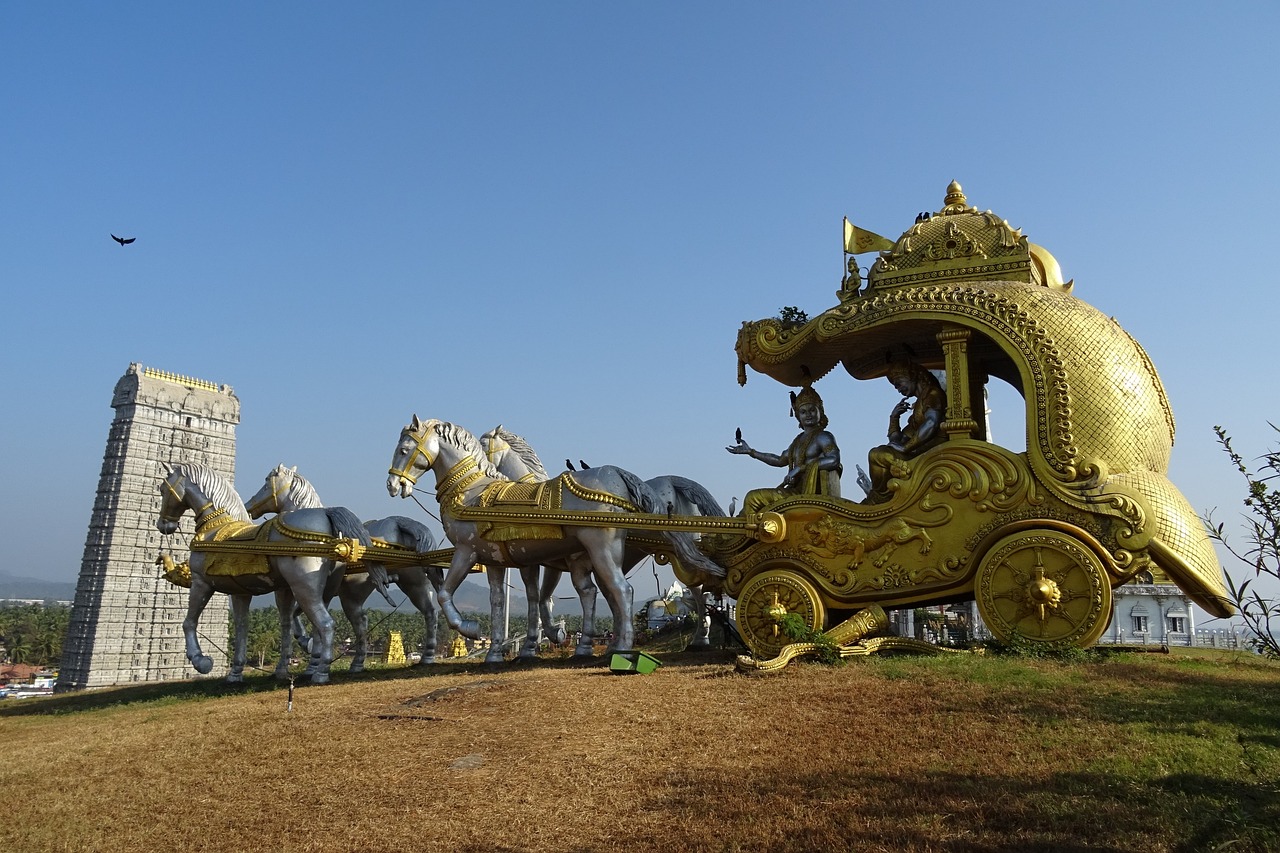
(466,478)
(513,456)
(220,516)
(285,490)
(516,460)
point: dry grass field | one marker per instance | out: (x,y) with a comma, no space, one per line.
(1121,752)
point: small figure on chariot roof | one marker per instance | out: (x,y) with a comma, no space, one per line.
(851,284)
(920,432)
(812,460)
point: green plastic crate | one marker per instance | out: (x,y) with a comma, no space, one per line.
(629,663)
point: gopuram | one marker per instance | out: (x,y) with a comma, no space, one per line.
(126,622)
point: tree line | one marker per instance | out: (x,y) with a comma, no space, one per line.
(263,645)
(33,633)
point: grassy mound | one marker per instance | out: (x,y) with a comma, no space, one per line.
(1116,752)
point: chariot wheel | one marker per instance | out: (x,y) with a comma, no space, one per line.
(1044,586)
(766,599)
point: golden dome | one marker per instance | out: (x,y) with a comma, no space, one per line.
(958,243)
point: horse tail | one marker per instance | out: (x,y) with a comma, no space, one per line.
(696,495)
(638,490)
(344,523)
(691,558)
(415,533)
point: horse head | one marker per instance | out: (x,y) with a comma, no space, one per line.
(495,446)
(196,487)
(415,453)
(273,495)
(173,499)
(512,456)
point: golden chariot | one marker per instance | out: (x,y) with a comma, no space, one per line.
(1038,538)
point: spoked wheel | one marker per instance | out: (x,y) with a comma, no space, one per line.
(1044,586)
(766,599)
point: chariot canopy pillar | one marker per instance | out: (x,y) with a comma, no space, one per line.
(960,422)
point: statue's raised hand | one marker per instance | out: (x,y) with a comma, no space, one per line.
(864,481)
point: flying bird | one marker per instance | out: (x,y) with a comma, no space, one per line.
(123,241)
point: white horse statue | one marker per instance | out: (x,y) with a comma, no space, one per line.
(220,516)
(515,458)
(286,490)
(465,478)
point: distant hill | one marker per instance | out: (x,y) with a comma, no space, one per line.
(15,586)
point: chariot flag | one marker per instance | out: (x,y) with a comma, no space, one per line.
(858,240)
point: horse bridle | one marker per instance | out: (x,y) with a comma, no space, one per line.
(273,478)
(181,501)
(419,450)
(497,446)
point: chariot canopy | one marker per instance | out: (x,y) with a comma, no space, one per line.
(962,292)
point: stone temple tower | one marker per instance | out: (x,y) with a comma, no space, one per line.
(126,623)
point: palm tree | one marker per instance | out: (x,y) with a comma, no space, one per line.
(19,650)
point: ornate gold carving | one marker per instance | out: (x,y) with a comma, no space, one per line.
(455,483)
(772,527)
(179,379)
(578,490)
(831,538)
(955,345)
(864,623)
(178,574)
(955,243)
(1044,586)
(766,599)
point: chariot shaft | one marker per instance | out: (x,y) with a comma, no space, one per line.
(767,526)
(338,548)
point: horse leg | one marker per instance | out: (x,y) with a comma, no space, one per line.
(529,574)
(353,595)
(300,630)
(550,579)
(307,580)
(702,635)
(239,642)
(463,560)
(287,608)
(199,596)
(606,550)
(413,583)
(497,614)
(580,574)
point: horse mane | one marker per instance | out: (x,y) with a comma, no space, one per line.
(462,439)
(526,453)
(302,494)
(215,488)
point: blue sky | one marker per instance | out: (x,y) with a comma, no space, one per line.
(556,216)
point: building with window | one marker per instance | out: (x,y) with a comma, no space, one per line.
(1150,609)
